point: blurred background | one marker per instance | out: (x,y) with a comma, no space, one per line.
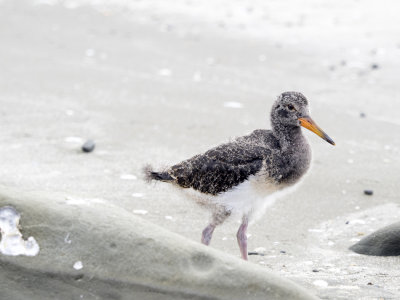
(159,81)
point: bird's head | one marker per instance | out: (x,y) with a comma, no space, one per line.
(291,110)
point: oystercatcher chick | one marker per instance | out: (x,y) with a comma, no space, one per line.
(242,176)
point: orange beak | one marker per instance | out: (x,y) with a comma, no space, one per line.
(308,123)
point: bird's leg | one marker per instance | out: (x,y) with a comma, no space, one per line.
(207,234)
(218,217)
(242,237)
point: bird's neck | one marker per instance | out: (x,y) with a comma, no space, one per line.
(289,136)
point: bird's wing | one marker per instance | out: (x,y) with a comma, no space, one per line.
(222,167)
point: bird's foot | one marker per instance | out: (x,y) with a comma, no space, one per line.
(242,238)
(207,234)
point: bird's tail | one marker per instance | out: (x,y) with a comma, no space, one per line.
(150,175)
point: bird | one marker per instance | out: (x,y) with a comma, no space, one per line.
(241,177)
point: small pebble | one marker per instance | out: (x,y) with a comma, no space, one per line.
(374,66)
(362,115)
(315,271)
(282,251)
(255,253)
(368,192)
(347,222)
(88,146)
(78,265)
(370,283)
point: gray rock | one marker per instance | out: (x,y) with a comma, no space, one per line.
(123,257)
(384,242)
(374,66)
(88,146)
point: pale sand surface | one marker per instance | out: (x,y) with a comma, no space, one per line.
(159,84)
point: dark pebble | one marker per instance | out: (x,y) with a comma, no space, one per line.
(255,253)
(370,283)
(282,251)
(347,222)
(368,192)
(88,146)
(363,115)
(374,66)
(315,271)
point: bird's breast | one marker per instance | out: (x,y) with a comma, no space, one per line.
(288,168)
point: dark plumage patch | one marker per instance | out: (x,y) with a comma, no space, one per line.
(283,113)
(225,166)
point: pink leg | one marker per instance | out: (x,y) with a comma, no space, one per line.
(242,237)
(207,234)
(218,217)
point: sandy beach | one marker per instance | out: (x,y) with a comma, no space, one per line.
(156,83)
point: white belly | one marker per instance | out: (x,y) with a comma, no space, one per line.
(251,197)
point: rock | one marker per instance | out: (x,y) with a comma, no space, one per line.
(88,146)
(123,257)
(384,242)
(254,253)
(368,192)
(374,66)
(362,115)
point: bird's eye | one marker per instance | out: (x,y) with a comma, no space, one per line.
(291,107)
